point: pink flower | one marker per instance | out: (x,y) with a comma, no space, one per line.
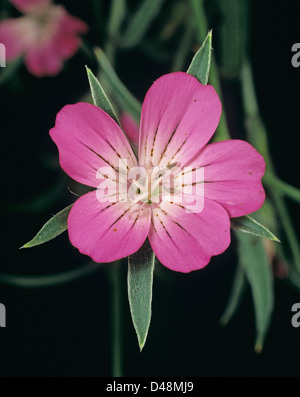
(179,117)
(46,35)
(131,128)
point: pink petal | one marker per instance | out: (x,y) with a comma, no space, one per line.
(56,41)
(66,39)
(45,45)
(87,138)
(67,46)
(179,116)
(130,127)
(29,6)
(107,231)
(238,197)
(183,241)
(233,171)
(70,24)
(17,36)
(43,60)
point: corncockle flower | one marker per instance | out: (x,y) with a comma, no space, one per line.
(46,35)
(185,227)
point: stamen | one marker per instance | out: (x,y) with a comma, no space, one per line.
(172,165)
(149,189)
(164,174)
(140,197)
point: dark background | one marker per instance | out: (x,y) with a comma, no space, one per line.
(65,330)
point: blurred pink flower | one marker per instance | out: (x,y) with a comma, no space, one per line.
(46,35)
(130,127)
(179,117)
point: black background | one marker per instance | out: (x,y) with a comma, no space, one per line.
(65,330)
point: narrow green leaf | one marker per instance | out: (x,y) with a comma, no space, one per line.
(140,281)
(140,22)
(201,24)
(117,14)
(48,280)
(123,96)
(116,319)
(288,228)
(184,46)
(237,291)
(53,228)
(282,187)
(246,224)
(255,262)
(99,97)
(258,137)
(200,64)
(233,35)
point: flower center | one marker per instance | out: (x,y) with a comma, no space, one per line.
(44,21)
(150,185)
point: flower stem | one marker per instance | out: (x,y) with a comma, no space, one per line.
(49,280)
(124,98)
(116,15)
(116,321)
(184,46)
(283,187)
(237,292)
(222,132)
(257,135)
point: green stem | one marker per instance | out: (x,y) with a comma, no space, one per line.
(184,46)
(124,98)
(116,16)
(49,280)
(288,228)
(255,128)
(222,132)
(116,321)
(199,13)
(290,191)
(257,135)
(254,125)
(238,288)
(117,13)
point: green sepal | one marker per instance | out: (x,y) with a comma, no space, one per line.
(53,228)
(246,224)
(200,64)
(100,99)
(140,282)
